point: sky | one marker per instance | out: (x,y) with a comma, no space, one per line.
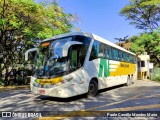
(100,17)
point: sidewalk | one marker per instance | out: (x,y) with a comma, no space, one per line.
(149,80)
(6,88)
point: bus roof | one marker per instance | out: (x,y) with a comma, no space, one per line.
(100,39)
(66,35)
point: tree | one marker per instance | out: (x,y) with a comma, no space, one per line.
(23,21)
(121,40)
(149,43)
(144,14)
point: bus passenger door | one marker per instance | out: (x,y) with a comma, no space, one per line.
(76,62)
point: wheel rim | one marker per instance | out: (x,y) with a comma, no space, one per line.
(91,88)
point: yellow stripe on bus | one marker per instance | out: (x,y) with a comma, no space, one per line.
(123,69)
(49,81)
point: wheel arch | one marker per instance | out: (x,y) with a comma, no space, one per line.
(95,92)
(95,79)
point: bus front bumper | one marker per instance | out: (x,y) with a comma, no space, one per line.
(60,92)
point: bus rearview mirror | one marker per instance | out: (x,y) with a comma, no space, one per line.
(28,51)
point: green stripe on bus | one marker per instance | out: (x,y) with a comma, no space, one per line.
(104,68)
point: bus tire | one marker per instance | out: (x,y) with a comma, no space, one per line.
(128,81)
(92,89)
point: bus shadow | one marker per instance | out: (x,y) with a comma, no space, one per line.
(78,97)
(70,99)
(110,88)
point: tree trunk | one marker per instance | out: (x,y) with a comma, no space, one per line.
(0,72)
(6,76)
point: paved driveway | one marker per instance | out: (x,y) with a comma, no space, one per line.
(144,95)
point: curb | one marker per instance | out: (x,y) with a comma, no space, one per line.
(150,80)
(7,88)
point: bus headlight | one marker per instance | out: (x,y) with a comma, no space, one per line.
(60,92)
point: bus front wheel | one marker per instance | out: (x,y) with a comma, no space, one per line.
(93,89)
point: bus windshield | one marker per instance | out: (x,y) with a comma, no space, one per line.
(54,59)
(50,60)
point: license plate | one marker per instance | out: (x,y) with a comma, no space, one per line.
(42,91)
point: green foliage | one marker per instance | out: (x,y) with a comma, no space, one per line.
(23,21)
(144,14)
(132,39)
(22,81)
(150,43)
(155,74)
(2,82)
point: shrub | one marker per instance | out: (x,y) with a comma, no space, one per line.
(2,82)
(22,81)
(155,74)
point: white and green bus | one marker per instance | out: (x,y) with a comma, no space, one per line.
(76,63)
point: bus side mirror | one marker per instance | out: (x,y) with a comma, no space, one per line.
(28,51)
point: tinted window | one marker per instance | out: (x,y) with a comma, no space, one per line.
(142,64)
(77,57)
(78,52)
(94,51)
(128,57)
(134,58)
(120,55)
(115,54)
(100,50)
(108,51)
(101,53)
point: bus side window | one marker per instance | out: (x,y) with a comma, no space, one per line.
(131,58)
(101,53)
(127,57)
(120,55)
(94,51)
(134,59)
(108,52)
(124,56)
(115,54)
(74,61)
(112,53)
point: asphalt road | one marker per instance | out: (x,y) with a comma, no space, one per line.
(144,95)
